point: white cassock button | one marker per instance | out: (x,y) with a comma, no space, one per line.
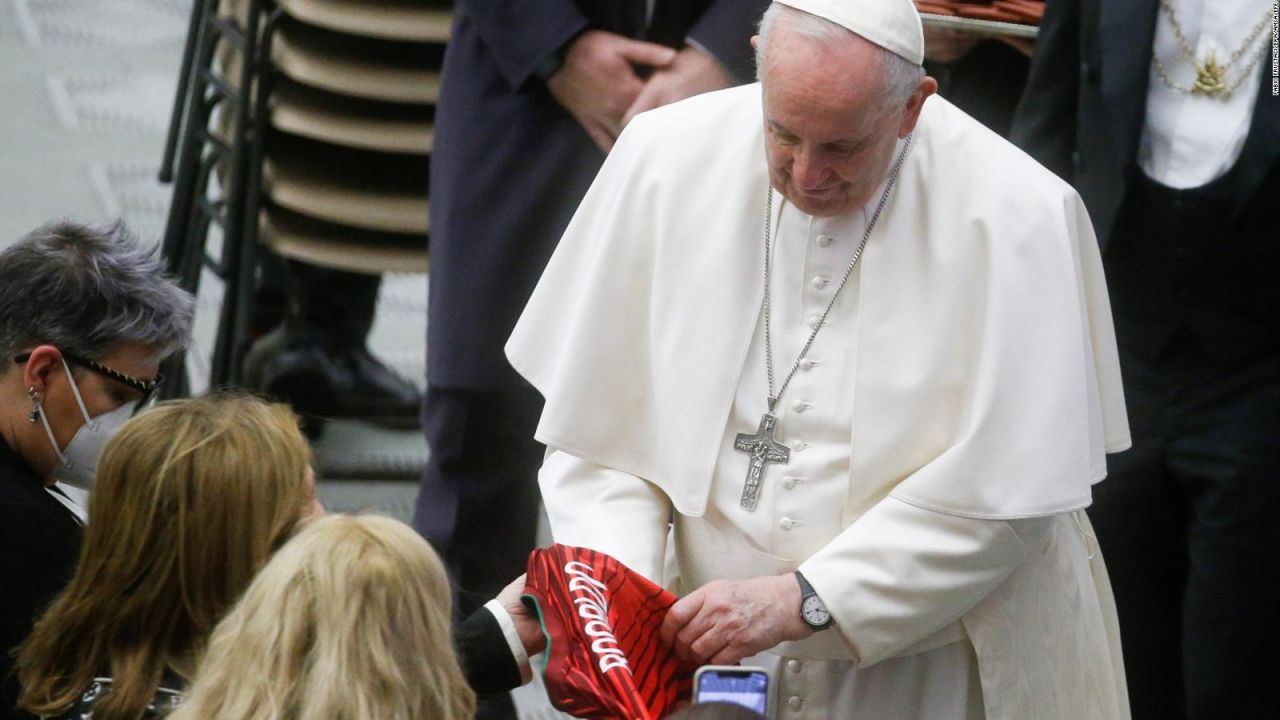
(799,445)
(807,364)
(793,666)
(825,240)
(795,702)
(800,406)
(788,483)
(814,320)
(819,281)
(786,523)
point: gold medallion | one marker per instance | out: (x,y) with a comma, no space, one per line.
(1210,78)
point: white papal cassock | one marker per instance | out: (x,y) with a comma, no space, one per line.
(945,427)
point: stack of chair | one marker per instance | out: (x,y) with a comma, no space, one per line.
(311,133)
(347,150)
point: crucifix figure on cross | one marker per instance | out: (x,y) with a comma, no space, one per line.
(763,450)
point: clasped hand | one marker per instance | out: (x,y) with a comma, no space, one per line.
(600,84)
(727,620)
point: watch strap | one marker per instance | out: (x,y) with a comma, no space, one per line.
(806,592)
(805,588)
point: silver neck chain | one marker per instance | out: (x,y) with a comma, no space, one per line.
(848,272)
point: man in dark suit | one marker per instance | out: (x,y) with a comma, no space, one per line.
(1162,114)
(534,92)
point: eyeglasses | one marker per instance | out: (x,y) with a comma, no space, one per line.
(147,388)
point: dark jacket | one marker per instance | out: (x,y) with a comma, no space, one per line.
(484,654)
(39,544)
(1085,104)
(1204,260)
(510,165)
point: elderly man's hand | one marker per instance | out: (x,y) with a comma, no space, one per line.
(598,81)
(692,72)
(727,620)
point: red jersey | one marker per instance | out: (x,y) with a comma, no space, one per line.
(604,657)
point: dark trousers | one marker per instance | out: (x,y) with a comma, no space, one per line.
(478,505)
(1189,518)
(1189,523)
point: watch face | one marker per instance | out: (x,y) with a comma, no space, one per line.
(815,613)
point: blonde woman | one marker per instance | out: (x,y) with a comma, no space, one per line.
(349,620)
(190,501)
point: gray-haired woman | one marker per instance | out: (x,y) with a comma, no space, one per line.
(86,316)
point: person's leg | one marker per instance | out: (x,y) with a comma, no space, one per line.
(1139,514)
(435,515)
(478,504)
(1229,458)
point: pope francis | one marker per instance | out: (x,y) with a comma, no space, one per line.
(848,356)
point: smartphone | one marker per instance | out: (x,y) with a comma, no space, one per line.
(740,685)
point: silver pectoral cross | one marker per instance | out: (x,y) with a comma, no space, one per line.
(763,450)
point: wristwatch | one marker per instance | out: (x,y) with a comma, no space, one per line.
(812,610)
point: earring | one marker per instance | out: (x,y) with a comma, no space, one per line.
(36,404)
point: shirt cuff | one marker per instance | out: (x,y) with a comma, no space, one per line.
(513,639)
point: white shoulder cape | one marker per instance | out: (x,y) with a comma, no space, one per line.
(987,383)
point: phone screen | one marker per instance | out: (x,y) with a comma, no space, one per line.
(749,688)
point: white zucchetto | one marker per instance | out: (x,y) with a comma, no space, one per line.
(892,24)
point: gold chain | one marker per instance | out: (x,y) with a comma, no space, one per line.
(1210,75)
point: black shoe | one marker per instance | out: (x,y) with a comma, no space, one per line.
(349,383)
(373,391)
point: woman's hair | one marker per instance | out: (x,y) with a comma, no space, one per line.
(349,620)
(191,499)
(86,289)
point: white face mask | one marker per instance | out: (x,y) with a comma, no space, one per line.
(78,462)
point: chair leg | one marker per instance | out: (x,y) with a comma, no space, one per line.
(197,153)
(247,263)
(182,96)
(224,368)
(195,123)
(182,247)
